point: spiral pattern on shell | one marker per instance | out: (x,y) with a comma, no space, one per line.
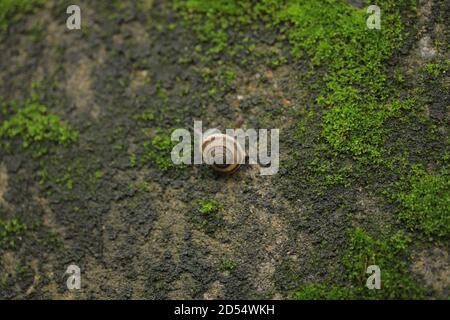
(223,153)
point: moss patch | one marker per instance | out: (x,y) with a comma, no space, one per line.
(356,96)
(10,8)
(11,232)
(227,265)
(387,252)
(321,292)
(158,150)
(33,124)
(207,206)
(426,203)
(206,215)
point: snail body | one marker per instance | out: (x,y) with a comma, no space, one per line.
(223,152)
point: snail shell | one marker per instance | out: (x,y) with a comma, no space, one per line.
(223,152)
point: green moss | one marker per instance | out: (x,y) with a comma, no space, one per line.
(206,215)
(214,24)
(11,232)
(207,206)
(158,151)
(389,252)
(359,129)
(426,202)
(355,99)
(98,174)
(144,5)
(146,116)
(438,70)
(227,265)
(212,21)
(161,92)
(133,160)
(10,8)
(35,127)
(77,174)
(37,32)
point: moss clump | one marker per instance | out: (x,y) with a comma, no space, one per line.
(10,232)
(133,160)
(426,203)
(335,34)
(158,151)
(98,174)
(10,8)
(207,206)
(387,252)
(206,215)
(358,128)
(34,126)
(438,70)
(213,19)
(227,265)
(146,116)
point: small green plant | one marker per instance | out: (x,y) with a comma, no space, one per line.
(227,265)
(146,116)
(35,126)
(133,160)
(437,69)
(158,151)
(11,232)
(161,92)
(98,174)
(206,215)
(207,206)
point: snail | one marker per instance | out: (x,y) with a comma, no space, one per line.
(223,152)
